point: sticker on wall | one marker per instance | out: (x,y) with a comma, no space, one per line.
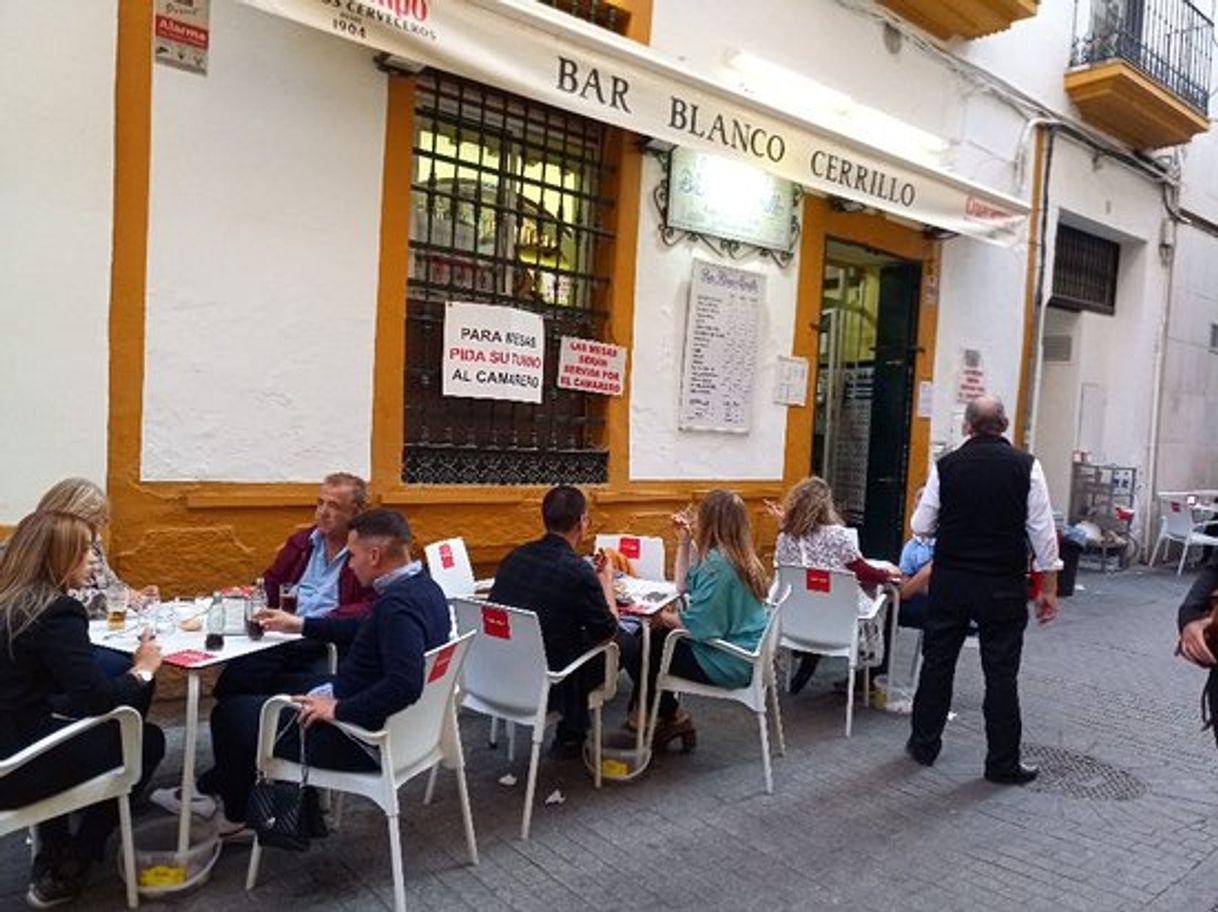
(182,34)
(591,366)
(493,352)
(972,376)
(791,382)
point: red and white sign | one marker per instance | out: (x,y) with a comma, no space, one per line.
(817,581)
(592,367)
(495,623)
(447,561)
(182,34)
(630,547)
(443,658)
(493,352)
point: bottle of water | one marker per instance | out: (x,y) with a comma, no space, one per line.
(215,623)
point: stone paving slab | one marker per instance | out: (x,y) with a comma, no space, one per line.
(1125,816)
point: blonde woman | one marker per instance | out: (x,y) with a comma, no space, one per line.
(45,654)
(811,534)
(725,585)
(82,498)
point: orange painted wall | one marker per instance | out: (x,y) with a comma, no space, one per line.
(193,537)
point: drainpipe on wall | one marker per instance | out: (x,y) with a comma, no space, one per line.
(1038,301)
(1167,255)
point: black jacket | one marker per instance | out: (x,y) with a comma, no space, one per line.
(1195,606)
(382,671)
(53,656)
(549,578)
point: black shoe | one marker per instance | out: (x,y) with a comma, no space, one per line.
(57,883)
(1021,775)
(918,755)
(567,748)
(807,667)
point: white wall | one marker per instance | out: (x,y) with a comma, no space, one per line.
(262,256)
(658,449)
(56,204)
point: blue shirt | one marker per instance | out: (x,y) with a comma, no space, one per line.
(385,580)
(917,553)
(317,591)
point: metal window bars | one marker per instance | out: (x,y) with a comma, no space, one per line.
(1171,41)
(507,208)
(1085,271)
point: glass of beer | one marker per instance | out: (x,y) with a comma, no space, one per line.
(287,598)
(116,606)
(253,629)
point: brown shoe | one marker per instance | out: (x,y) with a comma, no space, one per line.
(667,730)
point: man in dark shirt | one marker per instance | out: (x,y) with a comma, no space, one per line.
(380,674)
(573,601)
(1193,619)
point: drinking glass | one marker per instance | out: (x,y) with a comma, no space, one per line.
(287,598)
(116,606)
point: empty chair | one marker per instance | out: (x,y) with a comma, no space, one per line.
(753,695)
(413,740)
(1177,524)
(507,677)
(448,563)
(112,784)
(822,617)
(646,553)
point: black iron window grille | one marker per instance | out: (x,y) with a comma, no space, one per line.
(598,12)
(1171,41)
(507,207)
(1085,271)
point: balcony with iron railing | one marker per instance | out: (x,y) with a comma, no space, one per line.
(1140,69)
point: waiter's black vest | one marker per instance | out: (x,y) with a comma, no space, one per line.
(983,508)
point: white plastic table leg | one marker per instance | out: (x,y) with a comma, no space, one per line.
(188,760)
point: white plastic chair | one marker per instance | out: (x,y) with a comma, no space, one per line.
(823,618)
(1178,524)
(113,784)
(752,695)
(412,741)
(448,563)
(645,552)
(507,677)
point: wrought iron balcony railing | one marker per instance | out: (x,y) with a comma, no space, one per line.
(1171,41)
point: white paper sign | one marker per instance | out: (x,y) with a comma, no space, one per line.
(182,34)
(720,348)
(791,382)
(591,366)
(926,398)
(493,352)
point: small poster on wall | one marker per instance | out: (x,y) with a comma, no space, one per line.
(493,352)
(791,383)
(720,348)
(591,366)
(182,34)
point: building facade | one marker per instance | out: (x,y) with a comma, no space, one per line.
(222,286)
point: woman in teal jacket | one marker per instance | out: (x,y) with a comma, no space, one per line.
(725,586)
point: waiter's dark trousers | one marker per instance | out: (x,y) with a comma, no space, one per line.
(998,604)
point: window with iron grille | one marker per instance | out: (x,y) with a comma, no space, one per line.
(1085,272)
(599,12)
(507,207)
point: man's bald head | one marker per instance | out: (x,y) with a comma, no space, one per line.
(985,415)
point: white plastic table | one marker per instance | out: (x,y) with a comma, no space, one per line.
(648,598)
(235,646)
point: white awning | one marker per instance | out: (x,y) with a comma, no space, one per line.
(532,50)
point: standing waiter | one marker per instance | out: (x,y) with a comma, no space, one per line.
(985,501)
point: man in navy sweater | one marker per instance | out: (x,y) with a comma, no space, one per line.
(382,671)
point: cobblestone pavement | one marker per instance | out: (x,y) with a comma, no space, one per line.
(1123,816)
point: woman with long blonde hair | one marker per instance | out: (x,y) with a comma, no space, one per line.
(811,534)
(725,585)
(46,656)
(84,499)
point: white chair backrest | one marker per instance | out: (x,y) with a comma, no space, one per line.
(775,605)
(448,563)
(507,662)
(823,606)
(418,729)
(645,552)
(1177,517)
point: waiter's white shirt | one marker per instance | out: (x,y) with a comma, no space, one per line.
(1041,531)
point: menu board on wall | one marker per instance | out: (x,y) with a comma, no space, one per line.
(720,348)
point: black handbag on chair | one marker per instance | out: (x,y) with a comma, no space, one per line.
(286,815)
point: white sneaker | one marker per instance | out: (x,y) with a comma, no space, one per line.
(233,830)
(170,799)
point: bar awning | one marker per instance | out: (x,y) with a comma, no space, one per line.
(532,50)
